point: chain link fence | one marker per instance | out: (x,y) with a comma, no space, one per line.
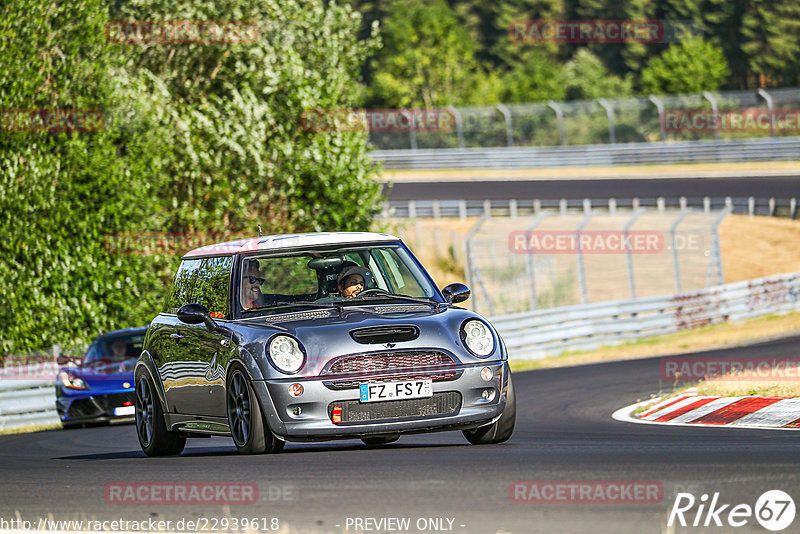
(741,114)
(552,259)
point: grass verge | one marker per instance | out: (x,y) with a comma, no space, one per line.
(28,429)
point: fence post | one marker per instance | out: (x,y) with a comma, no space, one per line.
(462,210)
(635,203)
(793,207)
(471,272)
(412,209)
(628,256)
(507,115)
(581,266)
(560,118)
(716,249)
(530,266)
(661,204)
(707,205)
(436,209)
(660,107)
(768,99)
(459,125)
(714,109)
(772,206)
(512,208)
(610,115)
(675,263)
(751,206)
(612,206)
(537,205)
(562,207)
(412,134)
(487,208)
(587,206)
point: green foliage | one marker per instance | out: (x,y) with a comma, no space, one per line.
(194,137)
(692,66)
(427,59)
(588,78)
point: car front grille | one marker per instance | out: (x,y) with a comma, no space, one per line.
(368,364)
(445,403)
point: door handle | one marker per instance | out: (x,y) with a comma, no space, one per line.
(176,337)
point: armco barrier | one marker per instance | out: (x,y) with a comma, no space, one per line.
(771,149)
(25,403)
(549,332)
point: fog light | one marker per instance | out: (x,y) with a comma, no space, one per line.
(485,394)
(297,410)
(487,374)
(295,390)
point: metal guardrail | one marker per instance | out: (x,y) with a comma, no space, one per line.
(25,403)
(462,209)
(549,332)
(729,151)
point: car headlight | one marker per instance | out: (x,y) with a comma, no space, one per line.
(285,354)
(477,337)
(71,381)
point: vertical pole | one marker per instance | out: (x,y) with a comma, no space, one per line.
(751,206)
(660,107)
(675,262)
(560,118)
(412,209)
(706,205)
(628,254)
(715,110)
(502,108)
(436,210)
(471,271)
(487,208)
(459,125)
(716,249)
(462,210)
(612,206)
(768,99)
(530,265)
(512,208)
(610,116)
(581,266)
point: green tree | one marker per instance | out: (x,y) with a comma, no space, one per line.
(689,67)
(588,78)
(427,59)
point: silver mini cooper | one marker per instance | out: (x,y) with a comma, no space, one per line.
(313,337)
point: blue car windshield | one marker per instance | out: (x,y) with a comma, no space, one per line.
(340,276)
(114,350)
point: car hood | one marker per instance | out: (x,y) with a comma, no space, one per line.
(104,378)
(326,335)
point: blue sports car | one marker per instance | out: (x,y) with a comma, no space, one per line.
(100,388)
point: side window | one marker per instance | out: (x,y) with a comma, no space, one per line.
(399,275)
(211,286)
(181,289)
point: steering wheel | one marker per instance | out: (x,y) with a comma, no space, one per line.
(373,291)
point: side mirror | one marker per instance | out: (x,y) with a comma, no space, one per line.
(65,360)
(195,314)
(456,293)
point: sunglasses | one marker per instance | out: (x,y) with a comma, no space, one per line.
(254,279)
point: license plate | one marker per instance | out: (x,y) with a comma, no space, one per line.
(125,410)
(407,389)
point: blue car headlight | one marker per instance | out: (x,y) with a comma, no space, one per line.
(477,337)
(71,381)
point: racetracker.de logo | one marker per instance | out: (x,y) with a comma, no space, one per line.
(145,32)
(749,120)
(586,242)
(586,491)
(744,369)
(589,31)
(180,493)
(377,120)
(51,120)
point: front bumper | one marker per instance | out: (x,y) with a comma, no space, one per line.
(314,421)
(100,407)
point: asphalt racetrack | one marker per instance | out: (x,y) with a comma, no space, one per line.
(564,433)
(496,189)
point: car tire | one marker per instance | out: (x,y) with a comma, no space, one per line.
(154,437)
(380,440)
(500,430)
(249,431)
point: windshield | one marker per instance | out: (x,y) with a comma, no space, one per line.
(115,354)
(336,277)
